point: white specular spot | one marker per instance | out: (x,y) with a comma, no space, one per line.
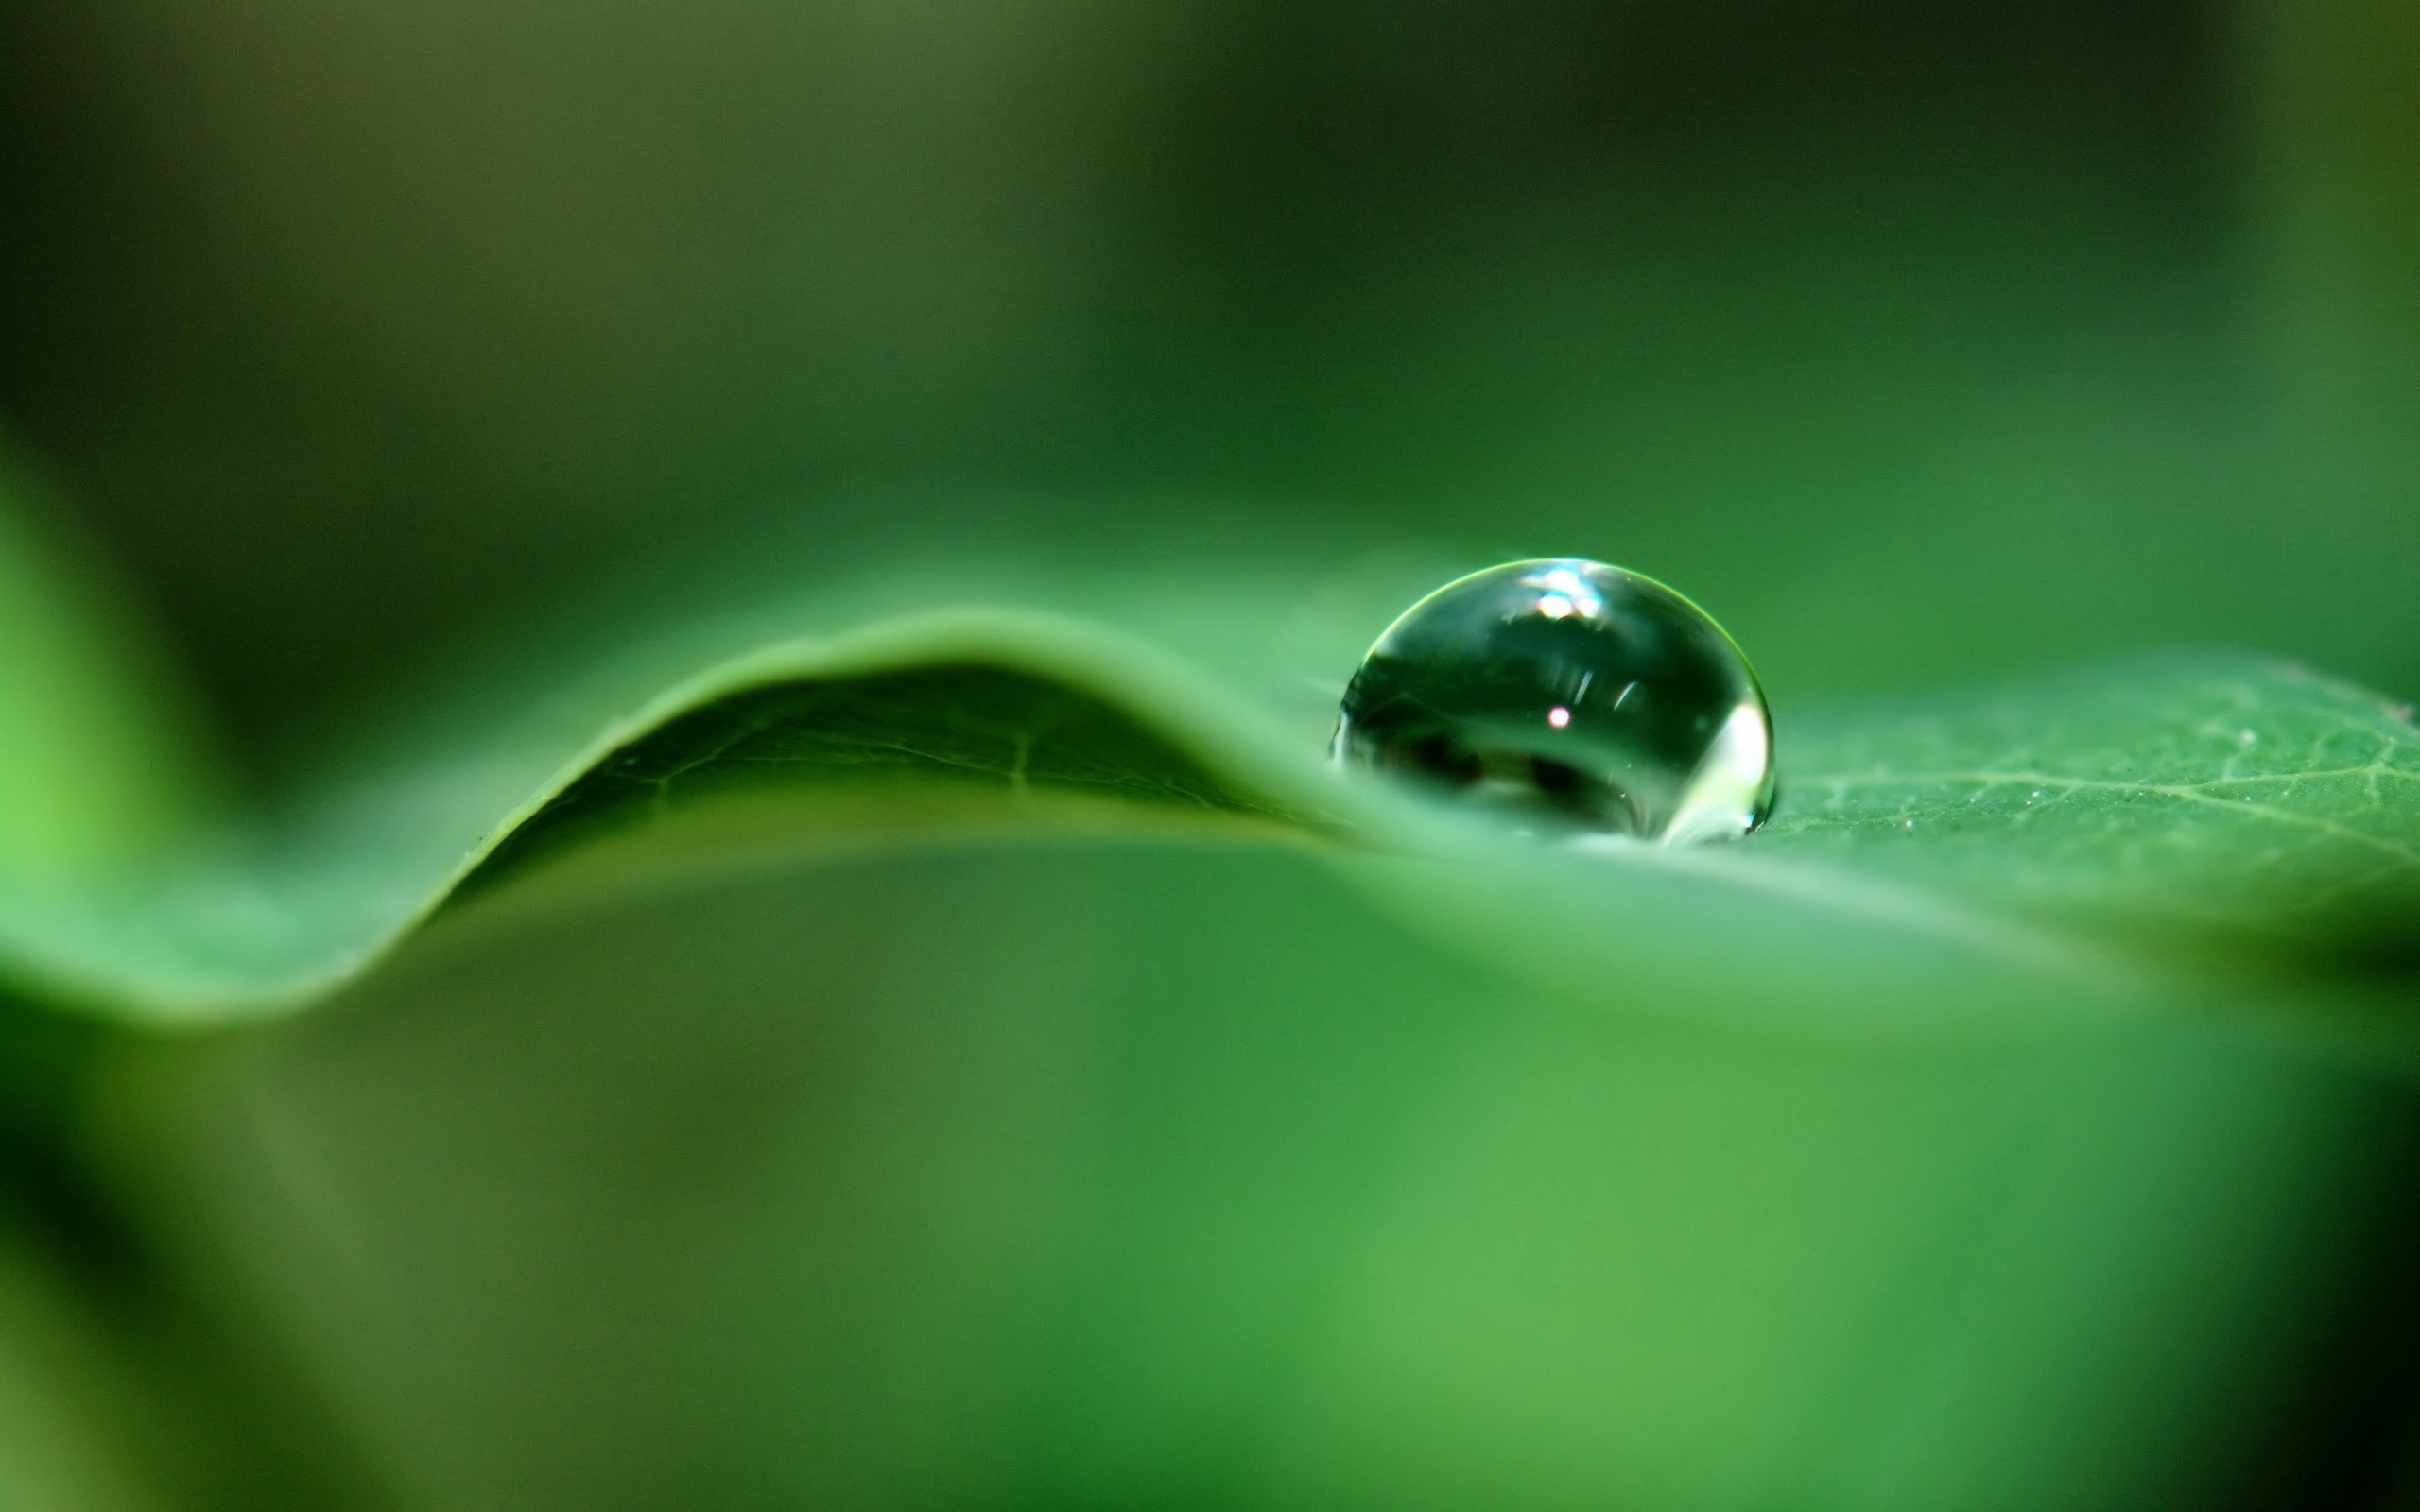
(1742,746)
(1573,590)
(1558,716)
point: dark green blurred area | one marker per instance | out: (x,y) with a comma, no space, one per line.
(1919,341)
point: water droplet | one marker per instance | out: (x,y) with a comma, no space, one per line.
(1571,693)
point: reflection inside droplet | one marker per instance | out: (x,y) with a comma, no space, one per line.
(1578,696)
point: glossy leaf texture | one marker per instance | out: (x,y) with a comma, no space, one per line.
(2179,809)
(2225,803)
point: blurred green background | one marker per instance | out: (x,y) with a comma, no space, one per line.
(1919,340)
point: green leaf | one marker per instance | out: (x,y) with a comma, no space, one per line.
(985,1052)
(99,765)
(2220,802)
(1112,1170)
(1009,735)
(2187,807)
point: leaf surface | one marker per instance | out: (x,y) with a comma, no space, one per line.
(1093,1080)
(1119,1169)
(2224,802)
(99,765)
(2185,807)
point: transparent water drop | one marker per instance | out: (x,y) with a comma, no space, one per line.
(1576,697)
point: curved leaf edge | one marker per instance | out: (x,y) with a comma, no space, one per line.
(156,957)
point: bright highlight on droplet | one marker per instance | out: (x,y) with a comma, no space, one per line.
(1652,722)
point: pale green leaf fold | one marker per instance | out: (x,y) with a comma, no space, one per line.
(99,765)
